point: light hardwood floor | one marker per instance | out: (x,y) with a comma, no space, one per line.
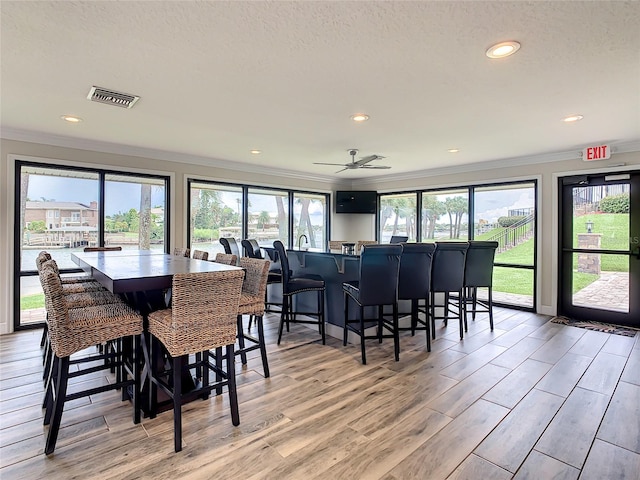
(530,400)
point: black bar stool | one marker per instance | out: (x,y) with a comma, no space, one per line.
(294,285)
(447,275)
(478,273)
(377,286)
(414,283)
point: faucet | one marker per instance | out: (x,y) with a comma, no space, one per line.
(300,240)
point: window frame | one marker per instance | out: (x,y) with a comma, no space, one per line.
(18,273)
(245,188)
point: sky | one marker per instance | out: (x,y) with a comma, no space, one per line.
(120,197)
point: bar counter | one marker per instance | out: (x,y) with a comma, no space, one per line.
(335,269)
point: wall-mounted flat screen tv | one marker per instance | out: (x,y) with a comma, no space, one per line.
(356,201)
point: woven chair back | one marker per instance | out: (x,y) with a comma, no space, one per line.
(204,310)
(182,252)
(226,259)
(361,243)
(256,274)
(56,306)
(41,258)
(200,255)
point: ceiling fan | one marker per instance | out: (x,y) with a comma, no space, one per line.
(362,163)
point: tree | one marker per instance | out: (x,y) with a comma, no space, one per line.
(263,219)
(282,219)
(144,233)
(432,209)
(456,207)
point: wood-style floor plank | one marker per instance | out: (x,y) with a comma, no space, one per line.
(621,423)
(571,432)
(504,404)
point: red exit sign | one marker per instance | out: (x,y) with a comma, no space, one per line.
(599,152)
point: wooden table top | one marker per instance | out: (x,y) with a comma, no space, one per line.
(140,270)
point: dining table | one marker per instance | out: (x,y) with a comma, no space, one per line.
(127,271)
(143,278)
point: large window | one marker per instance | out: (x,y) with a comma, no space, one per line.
(241,211)
(62,210)
(398,214)
(268,216)
(445,215)
(504,213)
(214,211)
(310,218)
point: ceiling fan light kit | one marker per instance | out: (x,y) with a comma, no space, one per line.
(362,163)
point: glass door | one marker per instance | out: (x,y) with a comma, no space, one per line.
(600,248)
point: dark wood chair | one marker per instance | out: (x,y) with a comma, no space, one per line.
(377,286)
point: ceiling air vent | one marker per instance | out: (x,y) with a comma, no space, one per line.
(117,99)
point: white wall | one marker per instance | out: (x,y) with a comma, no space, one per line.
(344,226)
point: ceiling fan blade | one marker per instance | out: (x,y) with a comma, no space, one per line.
(336,164)
(370,158)
(375,166)
(342,170)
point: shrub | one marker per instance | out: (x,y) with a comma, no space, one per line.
(615,204)
(508,221)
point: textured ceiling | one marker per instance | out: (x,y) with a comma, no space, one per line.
(217,79)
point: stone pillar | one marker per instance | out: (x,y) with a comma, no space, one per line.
(589,262)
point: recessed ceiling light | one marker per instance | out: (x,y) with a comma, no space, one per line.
(503,49)
(453,150)
(360,117)
(572,118)
(71,118)
(255,152)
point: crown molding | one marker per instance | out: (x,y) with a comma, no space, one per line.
(492,164)
(118,149)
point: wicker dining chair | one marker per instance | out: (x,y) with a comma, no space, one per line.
(43,256)
(252,303)
(71,330)
(203,317)
(200,255)
(74,300)
(182,252)
(226,259)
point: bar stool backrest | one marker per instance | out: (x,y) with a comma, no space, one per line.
(254,286)
(284,264)
(447,269)
(415,270)
(398,239)
(230,246)
(379,271)
(56,306)
(478,270)
(251,248)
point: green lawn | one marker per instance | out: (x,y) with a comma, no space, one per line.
(30,302)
